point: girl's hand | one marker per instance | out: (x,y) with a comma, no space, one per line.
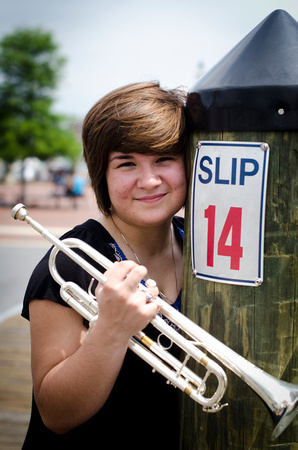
(122,306)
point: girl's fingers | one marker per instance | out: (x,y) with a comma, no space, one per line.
(116,274)
(152,288)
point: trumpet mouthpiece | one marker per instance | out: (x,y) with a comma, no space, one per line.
(19,212)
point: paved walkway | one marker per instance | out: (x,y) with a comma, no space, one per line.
(58,215)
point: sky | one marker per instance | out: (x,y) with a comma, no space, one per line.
(110,43)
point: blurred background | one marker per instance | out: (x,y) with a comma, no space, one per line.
(57,59)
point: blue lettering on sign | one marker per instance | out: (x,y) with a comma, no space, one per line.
(217,170)
(248,168)
(205,169)
(234,168)
(244,173)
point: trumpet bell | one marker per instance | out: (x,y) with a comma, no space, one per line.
(284,411)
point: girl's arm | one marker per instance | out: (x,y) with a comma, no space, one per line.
(74,372)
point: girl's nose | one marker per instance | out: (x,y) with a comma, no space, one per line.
(149,178)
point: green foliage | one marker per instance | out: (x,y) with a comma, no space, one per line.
(30,68)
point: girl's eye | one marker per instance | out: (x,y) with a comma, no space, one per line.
(126,164)
(165,158)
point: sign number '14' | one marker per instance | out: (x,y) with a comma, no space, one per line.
(232,227)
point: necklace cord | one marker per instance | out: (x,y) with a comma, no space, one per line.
(162,295)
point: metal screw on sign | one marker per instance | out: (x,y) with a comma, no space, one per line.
(264,147)
(198,145)
(258,282)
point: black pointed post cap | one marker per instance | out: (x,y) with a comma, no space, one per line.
(255,86)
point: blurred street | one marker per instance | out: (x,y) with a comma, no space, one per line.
(21,248)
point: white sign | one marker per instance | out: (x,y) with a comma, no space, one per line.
(228,211)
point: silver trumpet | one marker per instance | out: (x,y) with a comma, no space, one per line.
(280,397)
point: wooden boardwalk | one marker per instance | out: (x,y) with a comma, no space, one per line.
(15,382)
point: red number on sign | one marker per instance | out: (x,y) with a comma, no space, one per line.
(234,251)
(210,215)
(233,225)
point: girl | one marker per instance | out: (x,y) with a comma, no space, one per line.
(88,388)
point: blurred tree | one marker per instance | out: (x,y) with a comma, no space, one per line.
(30,68)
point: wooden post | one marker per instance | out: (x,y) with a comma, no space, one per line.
(259,323)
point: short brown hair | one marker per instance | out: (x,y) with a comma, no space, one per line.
(138,118)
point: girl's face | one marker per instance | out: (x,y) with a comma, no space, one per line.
(146,190)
